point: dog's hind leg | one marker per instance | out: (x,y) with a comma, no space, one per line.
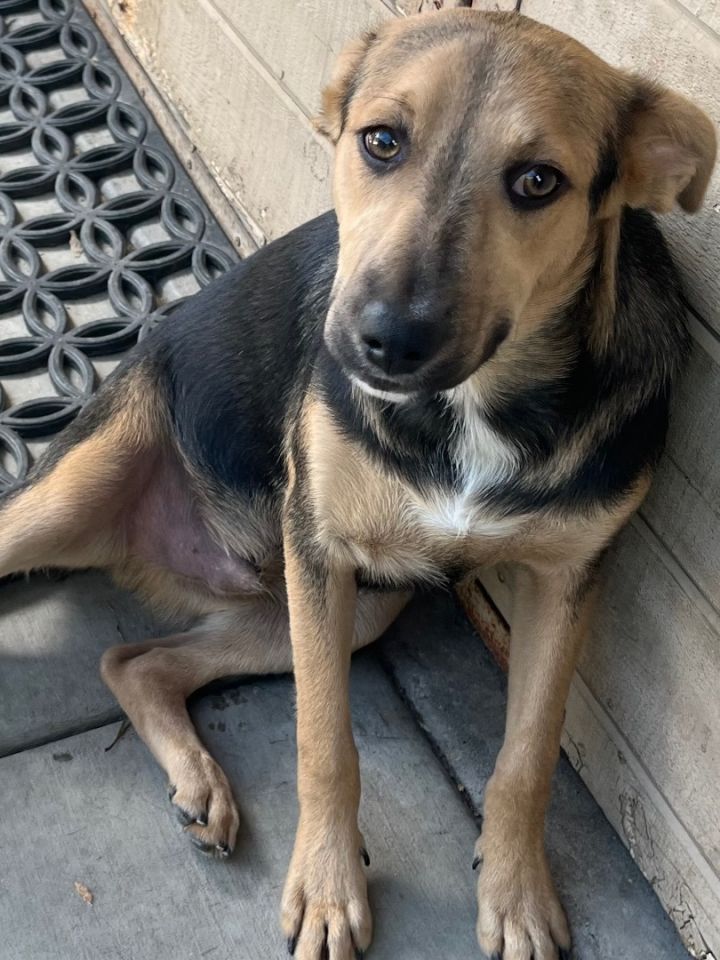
(152,681)
(66,515)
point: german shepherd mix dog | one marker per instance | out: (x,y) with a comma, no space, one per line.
(469,361)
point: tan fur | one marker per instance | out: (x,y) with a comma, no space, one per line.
(346,511)
(68,518)
(521,269)
(367,518)
(152,681)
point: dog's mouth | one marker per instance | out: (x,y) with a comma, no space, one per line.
(388,392)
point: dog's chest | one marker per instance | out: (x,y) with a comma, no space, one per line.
(483,461)
(438,528)
(393,528)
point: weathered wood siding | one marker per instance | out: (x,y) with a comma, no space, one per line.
(236,83)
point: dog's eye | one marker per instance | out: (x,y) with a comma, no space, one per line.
(382,143)
(533,186)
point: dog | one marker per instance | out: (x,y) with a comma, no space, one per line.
(470,360)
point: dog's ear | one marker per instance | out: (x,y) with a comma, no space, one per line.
(667,150)
(339,92)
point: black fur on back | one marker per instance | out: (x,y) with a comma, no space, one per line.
(237,357)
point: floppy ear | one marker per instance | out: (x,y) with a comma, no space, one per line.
(667,151)
(339,92)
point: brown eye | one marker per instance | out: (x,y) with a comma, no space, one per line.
(382,143)
(534,184)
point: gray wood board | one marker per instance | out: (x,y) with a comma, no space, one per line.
(653,661)
(683,506)
(52,634)
(458,695)
(80,814)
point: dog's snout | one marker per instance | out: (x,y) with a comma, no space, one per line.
(393,342)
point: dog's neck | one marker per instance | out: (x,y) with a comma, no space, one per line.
(588,376)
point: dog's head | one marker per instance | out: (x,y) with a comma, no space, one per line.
(478,158)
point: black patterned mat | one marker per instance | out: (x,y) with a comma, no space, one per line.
(102,233)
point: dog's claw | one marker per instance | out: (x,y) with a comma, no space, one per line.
(496,956)
(365,856)
(292,943)
(184,817)
(359,954)
(200,844)
(475,864)
(172,790)
(223,849)
(565,954)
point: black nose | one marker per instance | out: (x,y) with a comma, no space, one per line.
(395,342)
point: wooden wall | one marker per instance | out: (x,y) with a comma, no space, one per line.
(235,84)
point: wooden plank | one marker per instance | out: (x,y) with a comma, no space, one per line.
(240,233)
(253,137)
(459,696)
(683,505)
(652,831)
(707,11)
(299,42)
(52,635)
(688,525)
(662,40)
(105,822)
(653,662)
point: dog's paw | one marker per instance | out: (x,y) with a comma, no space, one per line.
(519,913)
(325,910)
(203,802)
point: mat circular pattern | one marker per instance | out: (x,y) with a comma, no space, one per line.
(101,231)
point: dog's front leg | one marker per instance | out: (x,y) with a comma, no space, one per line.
(325,911)
(519,912)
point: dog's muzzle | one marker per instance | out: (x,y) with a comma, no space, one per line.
(387,348)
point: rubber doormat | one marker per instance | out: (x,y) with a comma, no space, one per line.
(102,233)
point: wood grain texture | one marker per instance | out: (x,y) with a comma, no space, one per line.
(707,11)
(683,505)
(653,662)
(651,830)
(254,138)
(300,41)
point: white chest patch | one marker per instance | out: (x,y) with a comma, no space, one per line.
(483,460)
